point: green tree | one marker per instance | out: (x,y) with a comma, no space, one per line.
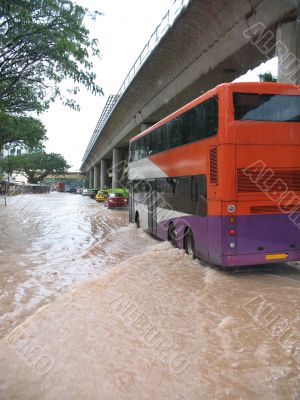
(35,166)
(21,131)
(267,77)
(43,42)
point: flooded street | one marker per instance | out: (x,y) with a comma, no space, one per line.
(50,242)
(92,308)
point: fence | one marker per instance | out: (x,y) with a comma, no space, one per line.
(14,189)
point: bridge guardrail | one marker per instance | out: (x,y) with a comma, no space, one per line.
(166,22)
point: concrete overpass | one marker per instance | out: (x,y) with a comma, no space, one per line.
(199,44)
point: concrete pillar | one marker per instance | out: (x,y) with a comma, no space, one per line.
(288,52)
(117,158)
(96,177)
(103,174)
(91,178)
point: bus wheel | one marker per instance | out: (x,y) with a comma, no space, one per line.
(137,220)
(172,235)
(189,244)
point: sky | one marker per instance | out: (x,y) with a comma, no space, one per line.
(122,32)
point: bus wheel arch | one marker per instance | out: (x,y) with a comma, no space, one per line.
(189,242)
(172,234)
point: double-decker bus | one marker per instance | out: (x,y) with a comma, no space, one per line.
(60,186)
(220,177)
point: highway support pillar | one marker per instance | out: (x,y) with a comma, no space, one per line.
(116,163)
(103,174)
(96,177)
(91,178)
(288,52)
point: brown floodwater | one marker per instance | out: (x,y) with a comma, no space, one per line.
(93,308)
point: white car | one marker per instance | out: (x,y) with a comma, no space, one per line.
(86,192)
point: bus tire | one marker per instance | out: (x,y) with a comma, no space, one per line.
(172,235)
(189,243)
(137,220)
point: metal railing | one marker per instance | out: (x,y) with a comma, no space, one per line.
(166,22)
(109,106)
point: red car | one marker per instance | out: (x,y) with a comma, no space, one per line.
(115,200)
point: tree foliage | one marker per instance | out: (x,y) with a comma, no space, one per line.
(267,77)
(21,131)
(43,42)
(35,166)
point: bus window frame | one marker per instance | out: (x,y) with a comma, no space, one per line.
(215,94)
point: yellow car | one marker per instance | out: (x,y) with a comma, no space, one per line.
(101,195)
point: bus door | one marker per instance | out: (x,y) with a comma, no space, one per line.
(152,207)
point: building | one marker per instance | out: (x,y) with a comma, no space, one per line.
(12,151)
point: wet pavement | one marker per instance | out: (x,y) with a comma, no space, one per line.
(92,307)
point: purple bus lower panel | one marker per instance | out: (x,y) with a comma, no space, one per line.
(198,225)
(251,239)
(266,233)
(261,239)
(256,259)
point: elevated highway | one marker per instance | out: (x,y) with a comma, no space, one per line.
(206,43)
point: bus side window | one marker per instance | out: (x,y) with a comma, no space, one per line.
(131,151)
(165,137)
(212,116)
(174,128)
(152,139)
(158,137)
(206,121)
(160,185)
(142,147)
(187,122)
(137,151)
(146,145)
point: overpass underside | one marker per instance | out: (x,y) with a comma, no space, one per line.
(211,41)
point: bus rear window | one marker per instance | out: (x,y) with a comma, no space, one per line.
(266,107)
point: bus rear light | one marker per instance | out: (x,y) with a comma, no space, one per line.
(231,220)
(232,245)
(231,232)
(231,208)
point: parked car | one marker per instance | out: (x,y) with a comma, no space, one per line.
(115,200)
(123,191)
(79,190)
(101,195)
(86,192)
(93,193)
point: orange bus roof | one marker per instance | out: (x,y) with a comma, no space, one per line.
(258,87)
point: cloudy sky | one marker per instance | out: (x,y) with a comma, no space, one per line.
(122,32)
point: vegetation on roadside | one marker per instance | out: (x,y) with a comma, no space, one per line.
(42,44)
(21,131)
(35,166)
(123,191)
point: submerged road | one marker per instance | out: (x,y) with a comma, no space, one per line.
(91,307)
